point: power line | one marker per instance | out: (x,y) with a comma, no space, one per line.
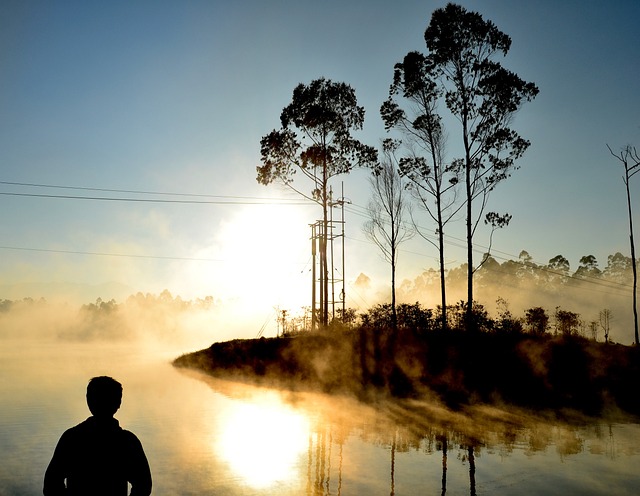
(104,254)
(241,200)
(157,200)
(122,255)
(141,192)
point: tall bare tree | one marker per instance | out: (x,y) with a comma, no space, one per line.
(387,209)
(324,113)
(630,159)
(605,317)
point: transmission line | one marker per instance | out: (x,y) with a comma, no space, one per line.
(121,255)
(142,192)
(104,254)
(158,200)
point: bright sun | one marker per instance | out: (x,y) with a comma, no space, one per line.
(262,443)
(263,256)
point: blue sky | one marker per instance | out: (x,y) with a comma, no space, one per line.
(174,96)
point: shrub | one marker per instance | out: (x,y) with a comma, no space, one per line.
(537,320)
(480,320)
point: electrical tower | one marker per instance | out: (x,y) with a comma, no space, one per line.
(319,237)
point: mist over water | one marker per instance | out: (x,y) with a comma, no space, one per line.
(141,319)
(208,436)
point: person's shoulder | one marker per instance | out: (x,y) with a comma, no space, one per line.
(76,428)
(74,433)
(130,436)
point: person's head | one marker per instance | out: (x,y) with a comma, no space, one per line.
(104,396)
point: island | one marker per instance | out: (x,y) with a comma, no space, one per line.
(539,372)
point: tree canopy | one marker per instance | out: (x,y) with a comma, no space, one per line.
(316,139)
(483,96)
(324,114)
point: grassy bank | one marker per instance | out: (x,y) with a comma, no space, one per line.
(539,372)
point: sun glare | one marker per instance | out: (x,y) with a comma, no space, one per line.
(262,255)
(263,443)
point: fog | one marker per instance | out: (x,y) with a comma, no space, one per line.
(169,320)
(521,286)
(204,435)
(149,320)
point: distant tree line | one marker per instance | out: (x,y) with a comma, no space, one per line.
(141,300)
(103,319)
(541,283)
(553,277)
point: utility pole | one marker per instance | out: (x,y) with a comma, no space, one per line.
(320,235)
(284,322)
(333,269)
(339,202)
(319,239)
(313,278)
(343,295)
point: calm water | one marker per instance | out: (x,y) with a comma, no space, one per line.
(204,436)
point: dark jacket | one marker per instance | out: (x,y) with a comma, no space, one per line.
(98,457)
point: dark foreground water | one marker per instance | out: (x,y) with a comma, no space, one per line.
(206,436)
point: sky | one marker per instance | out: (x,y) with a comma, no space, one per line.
(168,101)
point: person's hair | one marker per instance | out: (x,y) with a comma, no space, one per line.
(104,396)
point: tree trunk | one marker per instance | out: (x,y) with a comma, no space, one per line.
(435,142)
(324,271)
(469,192)
(469,314)
(443,290)
(394,314)
(633,262)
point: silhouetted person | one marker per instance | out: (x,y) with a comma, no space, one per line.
(98,457)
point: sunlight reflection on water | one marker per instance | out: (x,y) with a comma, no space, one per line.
(208,436)
(262,442)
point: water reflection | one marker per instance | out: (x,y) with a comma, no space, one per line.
(481,451)
(207,436)
(262,441)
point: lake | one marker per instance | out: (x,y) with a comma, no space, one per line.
(208,436)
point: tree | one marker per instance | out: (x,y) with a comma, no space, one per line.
(631,162)
(537,320)
(480,317)
(506,323)
(619,268)
(430,179)
(386,209)
(588,268)
(483,96)
(325,114)
(604,316)
(527,271)
(558,270)
(567,323)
